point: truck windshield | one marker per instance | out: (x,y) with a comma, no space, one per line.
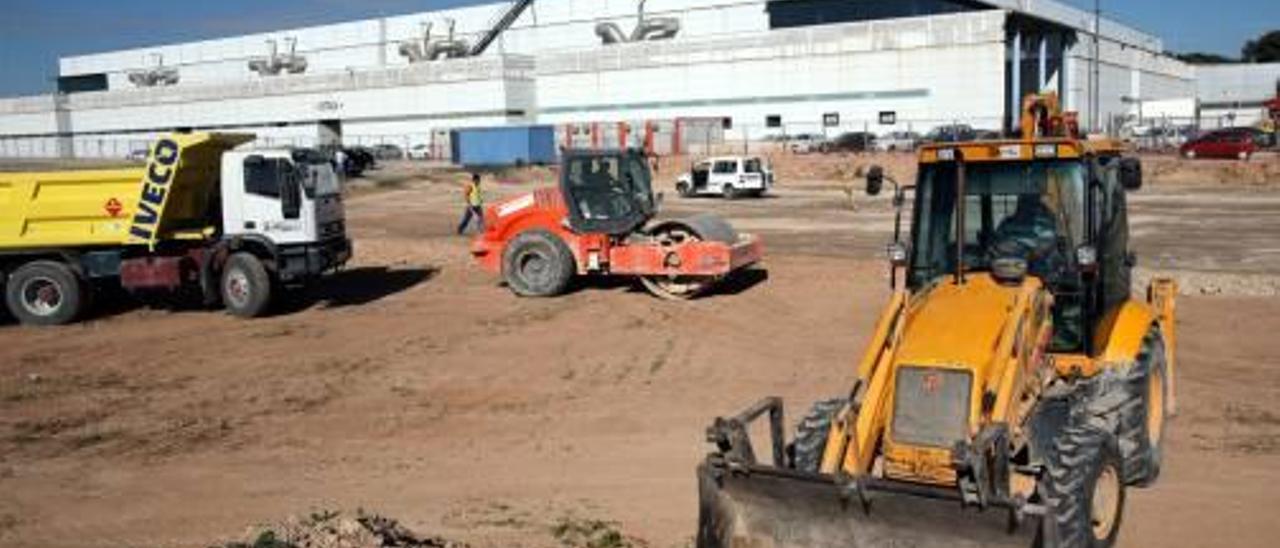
(1032,211)
(323,180)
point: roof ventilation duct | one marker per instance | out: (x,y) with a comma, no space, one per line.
(450,47)
(415,50)
(157,76)
(276,63)
(647,28)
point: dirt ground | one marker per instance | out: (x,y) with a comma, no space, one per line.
(416,386)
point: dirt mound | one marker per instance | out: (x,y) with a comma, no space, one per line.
(336,530)
(1263,170)
(1228,284)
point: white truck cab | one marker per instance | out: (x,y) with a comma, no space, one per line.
(729,176)
(290,201)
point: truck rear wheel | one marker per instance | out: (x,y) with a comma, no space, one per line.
(45,293)
(246,286)
(1084,485)
(537,264)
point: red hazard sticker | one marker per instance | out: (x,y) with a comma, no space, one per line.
(113,207)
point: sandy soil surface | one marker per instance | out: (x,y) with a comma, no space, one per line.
(415,386)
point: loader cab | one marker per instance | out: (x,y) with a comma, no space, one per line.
(285,196)
(1062,218)
(607,192)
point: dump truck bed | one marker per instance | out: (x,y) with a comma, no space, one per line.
(169,198)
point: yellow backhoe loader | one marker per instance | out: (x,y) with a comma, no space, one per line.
(1013,387)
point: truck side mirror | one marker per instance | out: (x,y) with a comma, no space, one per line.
(1131,174)
(875,180)
(290,193)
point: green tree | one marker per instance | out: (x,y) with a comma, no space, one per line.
(1266,49)
(1199,58)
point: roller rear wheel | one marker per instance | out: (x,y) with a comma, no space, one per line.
(538,264)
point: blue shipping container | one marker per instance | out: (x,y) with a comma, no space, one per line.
(504,146)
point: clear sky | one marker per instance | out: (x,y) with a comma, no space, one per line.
(34,33)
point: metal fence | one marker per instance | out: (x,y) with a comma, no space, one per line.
(700,136)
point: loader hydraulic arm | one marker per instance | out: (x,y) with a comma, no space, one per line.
(852,440)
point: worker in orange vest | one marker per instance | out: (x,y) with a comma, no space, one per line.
(475,204)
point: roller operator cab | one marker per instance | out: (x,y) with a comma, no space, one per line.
(1012,389)
(600,221)
(204,219)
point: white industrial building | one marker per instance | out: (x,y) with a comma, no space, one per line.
(1236,94)
(757,67)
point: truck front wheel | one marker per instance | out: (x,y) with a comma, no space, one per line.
(45,293)
(246,286)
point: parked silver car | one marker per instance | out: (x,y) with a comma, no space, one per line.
(897,140)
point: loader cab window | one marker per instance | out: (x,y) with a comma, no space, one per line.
(1032,211)
(608,193)
(1113,240)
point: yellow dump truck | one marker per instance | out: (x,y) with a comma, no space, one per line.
(204,216)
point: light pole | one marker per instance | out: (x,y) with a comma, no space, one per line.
(1095,101)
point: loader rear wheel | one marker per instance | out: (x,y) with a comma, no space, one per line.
(1085,489)
(45,293)
(538,264)
(811,435)
(246,286)
(1142,420)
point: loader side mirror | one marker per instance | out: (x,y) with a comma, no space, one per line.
(1131,174)
(875,180)
(897,253)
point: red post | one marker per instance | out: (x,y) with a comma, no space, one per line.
(648,137)
(675,138)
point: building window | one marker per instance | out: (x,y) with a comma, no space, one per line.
(81,83)
(773,120)
(801,13)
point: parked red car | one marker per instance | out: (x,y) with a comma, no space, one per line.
(1221,144)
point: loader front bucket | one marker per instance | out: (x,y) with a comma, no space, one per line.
(745,503)
(763,510)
